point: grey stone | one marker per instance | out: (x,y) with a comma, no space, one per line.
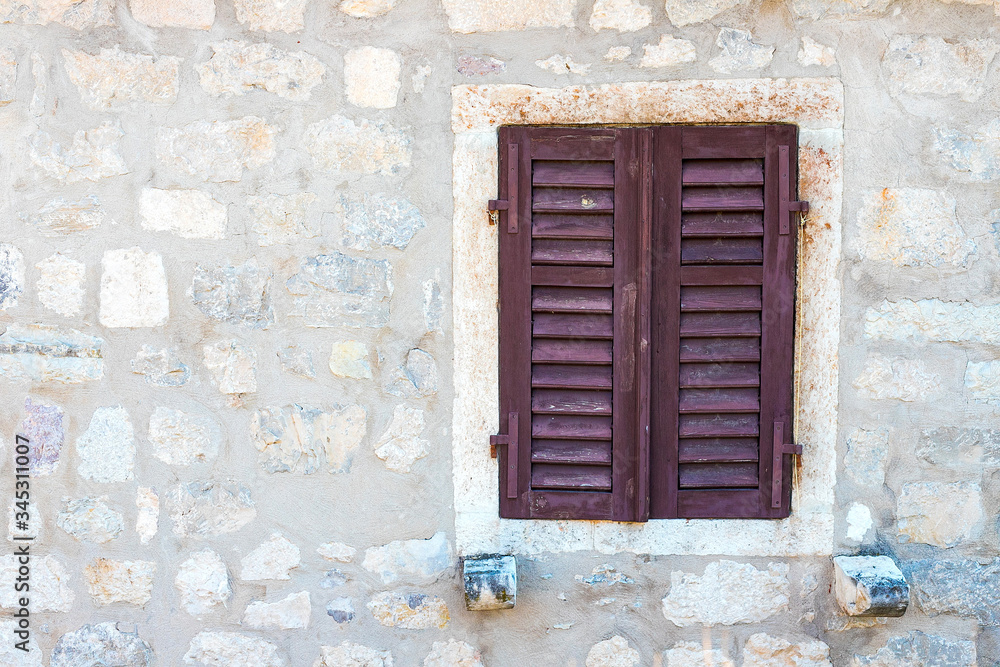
(739,52)
(332,579)
(433,306)
(349,654)
(917,649)
(939,513)
(604,575)
(91,520)
(932,320)
(101,645)
(272,560)
(377,221)
(106,450)
(161,368)
(233,366)
(82,15)
(689,12)
(239,67)
(217,151)
(763,650)
(46,354)
(955,446)
(670,52)
(471,66)
(203,582)
(115,78)
(421,559)
(982,381)
(300,438)
(182,438)
(401,445)
(977,155)
(44,429)
(236,294)
(367,147)
(490,582)
(884,378)
(928,65)
(416,377)
(965,588)
(839,9)
(13,656)
(870,586)
(282,219)
(93,155)
(336,290)
(60,287)
(410,611)
(60,216)
(728,593)
(49,583)
(11,275)
(866,454)
(341,610)
(232,649)
(297,361)
(210,508)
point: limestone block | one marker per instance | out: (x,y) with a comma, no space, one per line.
(955,446)
(401,445)
(490,582)
(689,12)
(620,15)
(433,306)
(376,221)
(349,359)
(297,360)
(209,508)
(912,227)
(8,76)
(91,520)
(763,650)
(190,214)
(273,559)
(181,438)
(300,438)
(920,650)
(93,155)
(50,589)
(292,612)
(668,53)
(281,219)
(202,582)
(366,8)
(932,320)
(352,655)
(232,648)
(43,353)
(60,285)
(102,644)
(235,294)
(161,368)
(148,516)
(336,291)
(419,559)
(59,217)
(727,593)
(44,427)
(110,581)
(560,64)
(928,65)
(693,654)
(337,551)
(81,15)
(859,522)
(233,366)
(371,77)
(11,655)
(813,53)
(341,610)
(942,514)
(106,450)
(271,15)
(133,289)
(471,66)
(977,155)
(240,67)
(367,147)
(410,611)
(966,588)
(839,9)
(194,14)
(468,16)
(11,275)
(416,377)
(866,455)
(870,586)
(217,151)
(885,378)
(453,653)
(982,381)
(116,78)
(614,652)
(739,52)
(617,54)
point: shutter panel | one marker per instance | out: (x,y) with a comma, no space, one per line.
(571,307)
(723,303)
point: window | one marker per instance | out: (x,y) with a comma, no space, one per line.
(646,305)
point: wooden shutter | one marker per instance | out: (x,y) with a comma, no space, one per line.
(572,317)
(723,311)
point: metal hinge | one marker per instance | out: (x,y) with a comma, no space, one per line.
(785,204)
(495,206)
(780,449)
(508,439)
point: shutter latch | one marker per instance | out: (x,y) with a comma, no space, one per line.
(509,440)
(495,206)
(785,205)
(779,449)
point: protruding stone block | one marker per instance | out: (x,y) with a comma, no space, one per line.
(490,582)
(870,586)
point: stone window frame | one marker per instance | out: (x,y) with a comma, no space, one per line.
(816,106)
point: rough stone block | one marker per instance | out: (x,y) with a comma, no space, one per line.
(815,54)
(884,378)
(91,520)
(103,643)
(982,381)
(352,655)
(297,361)
(668,53)
(11,275)
(433,306)
(928,65)
(190,214)
(232,648)
(560,64)
(59,217)
(739,52)
(235,294)
(614,652)
(728,593)
(336,290)
(693,654)
(114,78)
(110,581)
(160,367)
(604,575)
(421,559)
(233,366)
(954,446)
(870,586)
(337,551)
(13,656)
(472,66)
(689,12)
(240,67)
(81,15)
(942,514)
(917,648)
(410,611)
(281,219)
(839,9)
(376,221)
(182,439)
(349,359)
(106,450)
(490,582)
(209,508)
(93,155)
(60,285)
(43,426)
(202,582)
(401,445)
(217,151)
(292,612)
(453,653)
(47,354)
(147,518)
(366,9)
(966,588)
(273,560)
(416,377)
(468,16)
(49,580)
(866,456)
(932,320)
(194,14)
(341,610)
(859,522)
(300,438)
(977,155)
(271,15)
(133,289)
(371,77)
(367,147)
(620,15)
(763,650)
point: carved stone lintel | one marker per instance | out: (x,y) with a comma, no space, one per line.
(870,586)
(490,582)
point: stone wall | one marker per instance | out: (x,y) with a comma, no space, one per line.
(226,289)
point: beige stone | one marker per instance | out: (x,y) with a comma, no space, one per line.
(91,520)
(59,217)
(453,653)
(290,613)
(202,582)
(928,65)
(349,359)
(195,14)
(191,214)
(692,654)
(470,16)
(182,439)
(813,53)
(401,445)
(368,147)
(93,155)
(110,581)
(240,67)
(932,320)
(620,15)
(273,559)
(77,14)
(50,589)
(133,289)
(371,77)
(60,284)
(352,655)
(560,64)
(210,508)
(669,52)
(217,151)
(366,8)
(280,219)
(301,438)
(763,650)
(114,78)
(148,517)
(229,649)
(410,611)
(271,15)
(942,514)
(689,12)
(728,593)
(614,652)
(839,9)
(896,378)
(233,366)
(337,551)
(618,53)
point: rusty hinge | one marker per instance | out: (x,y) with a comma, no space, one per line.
(510,203)
(494,207)
(786,204)
(509,440)
(779,451)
